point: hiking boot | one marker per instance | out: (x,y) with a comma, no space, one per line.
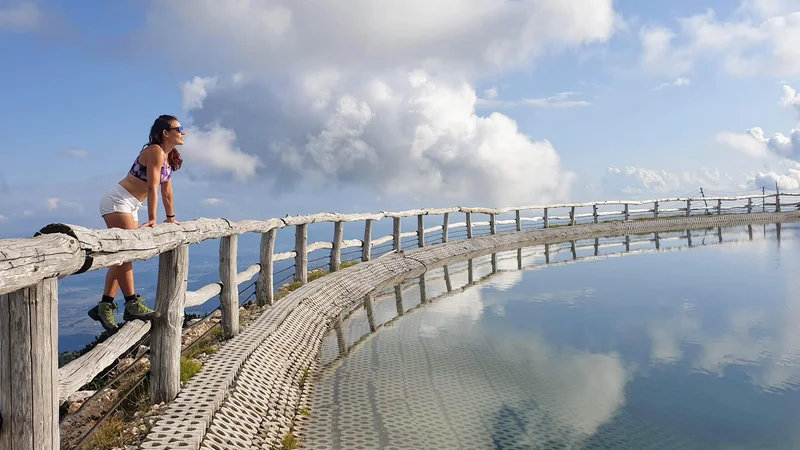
(103,312)
(137,309)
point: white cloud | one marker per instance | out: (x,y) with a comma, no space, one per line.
(402,135)
(759,38)
(789,181)
(54,203)
(560,100)
(755,142)
(194,91)
(24,17)
(751,143)
(375,95)
(75,153)
(212,201)
(634,181)
(764,9)
(490,94)
(790,98)
(215,147)
(361,35)
(677,82)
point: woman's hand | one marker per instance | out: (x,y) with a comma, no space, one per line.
(149,224)
(172,220)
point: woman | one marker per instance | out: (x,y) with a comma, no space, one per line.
(120,209)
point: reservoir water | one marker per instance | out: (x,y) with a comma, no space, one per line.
(676,341)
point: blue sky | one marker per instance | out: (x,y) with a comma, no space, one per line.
(334,106)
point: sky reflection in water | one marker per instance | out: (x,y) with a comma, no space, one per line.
(681,348)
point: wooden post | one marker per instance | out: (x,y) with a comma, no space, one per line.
(301,253)
(572,215)
(398,299)
(470,271)
(420,231)
(627,214)
(573,250)
(655,209)
(628,243)
(519,220)
(596,246)
(370,313)
(265,294)
(396,234)
(492,223)
(689,237)
(29,368)
(340,337)
(447,282)
(547,253)
(229,295)
(719,207)
(445,225)
(519,259)
(423,296)
(366,245)
(166,331)
(777,198)
(546,220)
(749,205)
(469,224)
(336,251)
(658,241)
(594,213)
(494,262)
(688,208)
(719,233)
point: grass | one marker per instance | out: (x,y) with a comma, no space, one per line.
(289,442)
(189,368)
(347,264)
(315,274)
(108,435)
(303,378)
(206,345)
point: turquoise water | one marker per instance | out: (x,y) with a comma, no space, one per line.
(677,346)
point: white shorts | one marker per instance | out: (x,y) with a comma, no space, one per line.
(118,199)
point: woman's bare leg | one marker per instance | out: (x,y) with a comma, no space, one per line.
(120,276)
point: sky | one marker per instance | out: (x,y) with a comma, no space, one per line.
(296,107)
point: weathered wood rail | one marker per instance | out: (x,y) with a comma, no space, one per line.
(31,384)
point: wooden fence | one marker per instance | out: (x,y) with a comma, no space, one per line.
(32,386)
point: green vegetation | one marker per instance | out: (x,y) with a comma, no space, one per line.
(303,378)
(109,435)
(189,368)
(289,442)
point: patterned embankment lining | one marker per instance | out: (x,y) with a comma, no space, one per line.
(247,393)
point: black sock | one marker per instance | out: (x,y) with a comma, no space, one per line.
(130,297)
(107,299)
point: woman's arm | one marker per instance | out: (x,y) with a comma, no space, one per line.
(168,198)
(154,162)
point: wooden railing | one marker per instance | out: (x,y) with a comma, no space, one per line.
(31,384)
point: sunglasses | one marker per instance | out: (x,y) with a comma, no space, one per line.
(180,129)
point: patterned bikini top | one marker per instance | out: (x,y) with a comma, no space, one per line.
(140,171)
